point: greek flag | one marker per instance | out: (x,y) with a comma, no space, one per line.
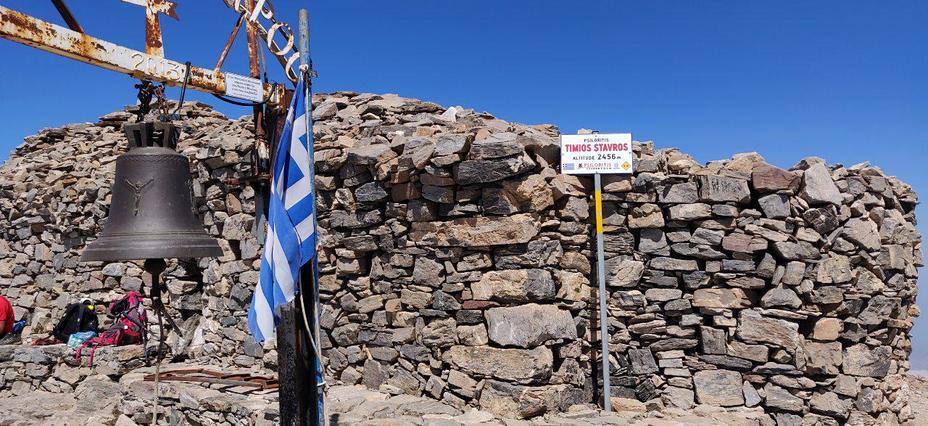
(291,236)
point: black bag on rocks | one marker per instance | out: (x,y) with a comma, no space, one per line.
(77,317)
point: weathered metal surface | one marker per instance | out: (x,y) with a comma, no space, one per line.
(263,9)
(67,15)
(25,29)
(260,155)
(228,45)
(154,45)
(254,68)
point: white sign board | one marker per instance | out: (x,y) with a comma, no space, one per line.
(239,86)
(596,153)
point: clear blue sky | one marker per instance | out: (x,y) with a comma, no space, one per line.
(844,80)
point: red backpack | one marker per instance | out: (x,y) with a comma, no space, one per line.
(130,326)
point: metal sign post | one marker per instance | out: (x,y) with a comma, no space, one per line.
(601,279)
(598,154)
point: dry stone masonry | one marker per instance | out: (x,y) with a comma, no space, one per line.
(456,264)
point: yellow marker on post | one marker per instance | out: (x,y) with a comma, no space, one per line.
(596,154)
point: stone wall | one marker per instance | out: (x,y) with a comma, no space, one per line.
(456,263)
(740,283)
(455,256)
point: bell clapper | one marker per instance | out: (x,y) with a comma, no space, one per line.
(153,268)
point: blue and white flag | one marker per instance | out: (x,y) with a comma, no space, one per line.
(291,236)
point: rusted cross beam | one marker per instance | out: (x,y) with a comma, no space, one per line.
(25,29)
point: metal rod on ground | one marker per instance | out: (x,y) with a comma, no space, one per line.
(601,279)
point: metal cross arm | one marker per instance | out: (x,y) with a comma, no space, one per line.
(31,31)
(153,42)
(168,8)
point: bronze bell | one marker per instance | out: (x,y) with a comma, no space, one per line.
(152,215)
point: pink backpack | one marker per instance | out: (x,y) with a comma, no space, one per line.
(130,326)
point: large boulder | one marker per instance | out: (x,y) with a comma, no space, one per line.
(515,285)
(863,232)
(723,188)
(753,327)
(622,272)
(823,358)
(680,193)
(641,361)
(818,187)
(470,172)
(720,298)
(416,153)
(529,325)
(879,309)
(520,402)
(862,360)
(775,206)
(829,403)
(719,387)
(834,269)
(530,193)
(496,145)
(767,178)
(779,398)
(512,365)
(477,231)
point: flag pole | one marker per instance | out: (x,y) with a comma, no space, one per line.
(300,399)
(316,382)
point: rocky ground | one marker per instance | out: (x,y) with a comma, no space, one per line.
(919,398)
(358,406)
(101,402)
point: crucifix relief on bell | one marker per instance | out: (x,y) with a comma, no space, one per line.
(152,214)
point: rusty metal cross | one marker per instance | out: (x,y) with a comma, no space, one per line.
(153,43)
